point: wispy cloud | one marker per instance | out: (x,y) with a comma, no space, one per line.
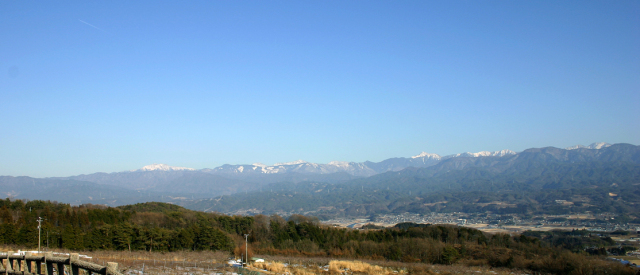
(90,25)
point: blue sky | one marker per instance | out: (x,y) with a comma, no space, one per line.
(89,86)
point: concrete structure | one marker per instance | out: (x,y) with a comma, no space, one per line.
(28,264)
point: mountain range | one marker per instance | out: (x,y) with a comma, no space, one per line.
(538,180)
(357,169)
(425,173)
(228,179)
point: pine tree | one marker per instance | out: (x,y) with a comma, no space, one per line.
(72,238)
(123,236)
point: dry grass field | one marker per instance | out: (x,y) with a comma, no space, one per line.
(209,263)
(327,266)
(184,262)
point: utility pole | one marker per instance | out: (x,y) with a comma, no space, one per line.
(39,229)
(246,248)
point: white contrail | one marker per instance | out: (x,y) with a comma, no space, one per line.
(90,24)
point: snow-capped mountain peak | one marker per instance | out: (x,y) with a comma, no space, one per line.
(365,169)
(163,167)
(339,163)
(291,163)
(595,145)
(500,153)
(599,145)
(426,155)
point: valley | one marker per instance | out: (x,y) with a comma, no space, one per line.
(162,238)
(600,178)
(496,223)
(320,137)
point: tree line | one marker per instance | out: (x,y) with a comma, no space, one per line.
(93,227)
(166,227)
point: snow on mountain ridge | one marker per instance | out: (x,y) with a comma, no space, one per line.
(503,153)
(423,159)
(355,168)
(291,163)
(341,164)
(599,145)
(162,167)
(595,145)
(427,155)
(500,153)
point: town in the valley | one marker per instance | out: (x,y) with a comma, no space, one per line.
(506,223)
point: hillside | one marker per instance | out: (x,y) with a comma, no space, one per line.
(165,228)
(525,182)
(529,181)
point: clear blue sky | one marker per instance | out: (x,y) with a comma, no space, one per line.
(104,86)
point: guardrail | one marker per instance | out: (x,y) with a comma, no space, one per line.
(29,264)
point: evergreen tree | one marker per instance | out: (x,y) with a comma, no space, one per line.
(8,233)
(28,235)
(5,215)
(100,238)
(72,238)
(123,235)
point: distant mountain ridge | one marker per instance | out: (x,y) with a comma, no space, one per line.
(367,168)
(531,180)
(166,182)
(596,145)
(162,167)
(357,169)
(360,169)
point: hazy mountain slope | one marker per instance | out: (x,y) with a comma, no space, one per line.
(299,167)
(134,179)
(260,179)
(533,170)
(228,179)
(144,185)
(396,164)
(500,171)
(411,193)
(72,191)
(203,185)
(259,171)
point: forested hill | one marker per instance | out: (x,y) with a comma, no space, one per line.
(529,181)
(147,226)
(164,227)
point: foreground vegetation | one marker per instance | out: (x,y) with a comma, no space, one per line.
(208,262)
(169,228)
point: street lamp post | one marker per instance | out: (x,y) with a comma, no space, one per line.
(39,229)
(246,248)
